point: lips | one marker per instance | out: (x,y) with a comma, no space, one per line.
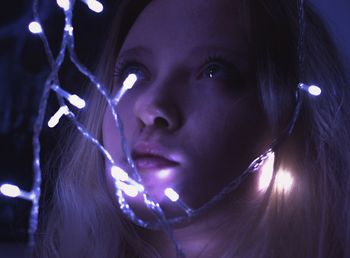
(152,157)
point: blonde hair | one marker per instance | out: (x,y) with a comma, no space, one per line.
(312,220)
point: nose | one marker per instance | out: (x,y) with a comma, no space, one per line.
(158,107)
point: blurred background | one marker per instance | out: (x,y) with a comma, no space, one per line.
(23,70)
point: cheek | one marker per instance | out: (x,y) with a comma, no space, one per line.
(229,137)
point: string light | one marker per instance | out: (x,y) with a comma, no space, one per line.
(14,191)
(69,29)
(175,198)
(129,190)
(75,100)
(94,5)
(127,85)
(171,194)
(10,190)
(311,89)
(35,27)
(64,4)
(119,174)
(130,186)
(54,120)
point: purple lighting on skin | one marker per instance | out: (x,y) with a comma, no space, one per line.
(164,173)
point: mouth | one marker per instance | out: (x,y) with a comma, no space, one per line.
(150,157)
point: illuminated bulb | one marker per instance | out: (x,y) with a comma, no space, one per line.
(129,190)
(95,6)
(127,85)
(139,187)
(75,100)
(13,191)
(10,190)
(283,181)
(119,174)
(311,89)
(266,172)
(314,90)
(64,4)
(57,116)
(35,27)
(171,194)
(129,81)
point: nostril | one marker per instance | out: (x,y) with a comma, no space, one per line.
(161,122)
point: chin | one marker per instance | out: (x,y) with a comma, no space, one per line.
(170,209)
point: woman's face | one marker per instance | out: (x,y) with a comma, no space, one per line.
(193,120)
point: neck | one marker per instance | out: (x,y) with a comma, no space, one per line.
(214,233)
(207,236)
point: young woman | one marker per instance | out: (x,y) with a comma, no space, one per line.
(217,84)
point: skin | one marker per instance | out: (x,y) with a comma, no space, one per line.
(201,110)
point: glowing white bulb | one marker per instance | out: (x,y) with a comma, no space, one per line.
(171,194)
(283,181)
(64,4)
(129,190)
(127,85)
(95,6)
(129,81)
(76,101)
(266,172)
(35,27)
(14,191)
(57,116)
(119,174)
(314,90)
(10,190)
(311,89)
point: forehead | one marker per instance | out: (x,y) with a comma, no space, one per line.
(186,23)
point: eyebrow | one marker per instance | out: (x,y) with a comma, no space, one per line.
(242,56)
(227,51)
(134,51)
(138,50)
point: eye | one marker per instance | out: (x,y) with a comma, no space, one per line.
(222,71)
(123,69)
(216,70)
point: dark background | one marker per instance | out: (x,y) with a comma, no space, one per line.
(23,70)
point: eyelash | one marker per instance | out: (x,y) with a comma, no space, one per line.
(232,73)
(120,70)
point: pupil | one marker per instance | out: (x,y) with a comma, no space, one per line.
(212,71)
